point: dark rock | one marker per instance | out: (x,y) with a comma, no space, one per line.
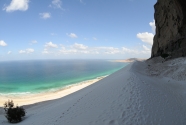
(170,20)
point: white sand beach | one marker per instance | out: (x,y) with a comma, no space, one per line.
(27,99)
(142,93)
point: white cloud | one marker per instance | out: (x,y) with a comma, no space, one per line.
(79,46)
(2,43)
(146,48)
(48,46)
(22,51)
(51,45)
(45,51)
(81,1)
(21,5)
(75,49)
(146,37)
(94,38)
(56,4)
(131,51)
(68,51)
(72,35)
(34,42)
(152,24)
(53,34)
(9,52)
(29,50)
(45,15)
(78,50)
(112,50)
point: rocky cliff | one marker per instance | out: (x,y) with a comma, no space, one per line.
(170,20)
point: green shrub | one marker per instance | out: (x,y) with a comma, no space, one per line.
(13,114)
(164,55)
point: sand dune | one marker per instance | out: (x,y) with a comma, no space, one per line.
(143,93)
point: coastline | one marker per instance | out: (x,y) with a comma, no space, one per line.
(128,60)
(131,95)
(28,99)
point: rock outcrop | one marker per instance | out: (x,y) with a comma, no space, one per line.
(170,20)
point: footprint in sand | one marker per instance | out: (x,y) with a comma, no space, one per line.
(111,122)
(123,115)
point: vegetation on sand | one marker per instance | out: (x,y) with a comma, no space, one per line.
(13,114)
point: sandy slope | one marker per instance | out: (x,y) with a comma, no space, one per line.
(131,96)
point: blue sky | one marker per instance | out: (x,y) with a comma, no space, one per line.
(76,29)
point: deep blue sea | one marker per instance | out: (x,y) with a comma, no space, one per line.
(21,77)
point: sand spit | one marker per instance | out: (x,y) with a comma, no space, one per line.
(128,60)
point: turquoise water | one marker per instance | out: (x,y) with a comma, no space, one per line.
(22,77)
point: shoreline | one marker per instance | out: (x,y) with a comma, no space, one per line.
(128,60)
(28,99)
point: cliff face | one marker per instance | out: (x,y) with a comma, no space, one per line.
(170,20)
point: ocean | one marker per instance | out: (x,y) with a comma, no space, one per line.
(25,77)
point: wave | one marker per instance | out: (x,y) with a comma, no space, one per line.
(72,85)
(52,90)
(15,93)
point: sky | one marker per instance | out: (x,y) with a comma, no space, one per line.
(76,29)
